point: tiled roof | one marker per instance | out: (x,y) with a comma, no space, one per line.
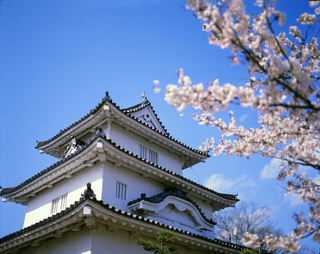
(48,169)
(175,192)
(127,112)
(142,105)
(42,222)
(60,162)
(92,111)
(122,213)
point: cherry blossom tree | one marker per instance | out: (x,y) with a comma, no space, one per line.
(283,87)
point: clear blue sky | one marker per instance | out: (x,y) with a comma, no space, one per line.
(58,58)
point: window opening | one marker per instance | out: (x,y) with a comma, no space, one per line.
(121,191)
(148,154)
(59,203)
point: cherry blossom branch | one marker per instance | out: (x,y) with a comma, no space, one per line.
(286,95)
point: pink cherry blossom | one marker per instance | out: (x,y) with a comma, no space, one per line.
(283,88)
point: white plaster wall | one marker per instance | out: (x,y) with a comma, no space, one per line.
(39,207)
(114,242)
(71,243)
(120,242)
(136,184)
(206,208)
(99,241)
(131,142)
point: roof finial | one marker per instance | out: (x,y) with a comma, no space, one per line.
(144,97)
(100,132)
(88,193)
(107,97)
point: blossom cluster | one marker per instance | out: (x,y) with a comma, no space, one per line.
(283,88)
(287,242)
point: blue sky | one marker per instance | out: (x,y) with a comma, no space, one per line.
(58,58)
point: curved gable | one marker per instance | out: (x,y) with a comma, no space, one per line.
(177,210)
(174,208)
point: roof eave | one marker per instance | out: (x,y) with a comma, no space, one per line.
(174,146)
(53,174)
(118,155)
(108,109)
(90,212)
(88,124)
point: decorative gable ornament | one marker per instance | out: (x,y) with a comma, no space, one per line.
(175,207)
(144,112)
(75,145)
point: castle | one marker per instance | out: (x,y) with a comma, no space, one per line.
(118,178)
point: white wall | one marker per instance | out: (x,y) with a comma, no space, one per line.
(72,242)
(206,208)
(136,184)
(131,142)
(99,241)
(39,207)
(121,242)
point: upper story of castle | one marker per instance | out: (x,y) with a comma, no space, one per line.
(136,129)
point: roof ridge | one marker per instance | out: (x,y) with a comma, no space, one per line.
(140,105)
(107,98)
